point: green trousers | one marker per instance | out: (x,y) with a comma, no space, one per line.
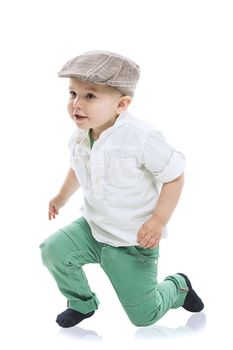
(132,271)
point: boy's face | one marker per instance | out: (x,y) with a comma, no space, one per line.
(94,106)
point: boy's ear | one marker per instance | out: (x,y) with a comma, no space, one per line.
(123,104)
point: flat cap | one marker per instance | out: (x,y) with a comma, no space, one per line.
(105,68)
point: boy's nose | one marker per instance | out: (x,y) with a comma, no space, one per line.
(76,102)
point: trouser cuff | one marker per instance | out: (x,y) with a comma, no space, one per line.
(84,306)
(181,288)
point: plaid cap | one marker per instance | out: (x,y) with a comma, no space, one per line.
(105,68)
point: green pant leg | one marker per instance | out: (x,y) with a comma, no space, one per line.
(133,273)
(64,253)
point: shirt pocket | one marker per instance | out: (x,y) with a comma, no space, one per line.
(122,172)
(80,165)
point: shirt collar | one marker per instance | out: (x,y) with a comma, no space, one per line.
(81,137)
(121,119)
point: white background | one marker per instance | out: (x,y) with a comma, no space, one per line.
(184,49)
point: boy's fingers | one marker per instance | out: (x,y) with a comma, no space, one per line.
(156,243)
(51,215)
(142,233)
(55,210)
(145,240)
(150,243)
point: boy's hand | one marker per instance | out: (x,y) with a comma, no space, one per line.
(150,233)
(55,204)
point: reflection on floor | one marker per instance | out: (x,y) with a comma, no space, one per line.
(194,324)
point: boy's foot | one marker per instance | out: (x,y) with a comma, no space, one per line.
(192,301)
(70,318)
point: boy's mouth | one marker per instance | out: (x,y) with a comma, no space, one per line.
(80,117)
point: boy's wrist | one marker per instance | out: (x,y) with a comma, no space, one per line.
(63,197)
(159,218)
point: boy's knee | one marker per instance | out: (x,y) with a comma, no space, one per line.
(50,250)
(141,322)
(143,317)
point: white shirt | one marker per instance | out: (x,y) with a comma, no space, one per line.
(120,177)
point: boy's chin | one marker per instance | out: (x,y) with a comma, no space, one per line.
(81,126)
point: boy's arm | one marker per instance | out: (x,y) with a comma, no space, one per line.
(150,233)
(168,200)
(69,187)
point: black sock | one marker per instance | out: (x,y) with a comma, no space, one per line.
(192,301)
(70,318)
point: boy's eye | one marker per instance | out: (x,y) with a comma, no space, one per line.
(90,96)
(72,93)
